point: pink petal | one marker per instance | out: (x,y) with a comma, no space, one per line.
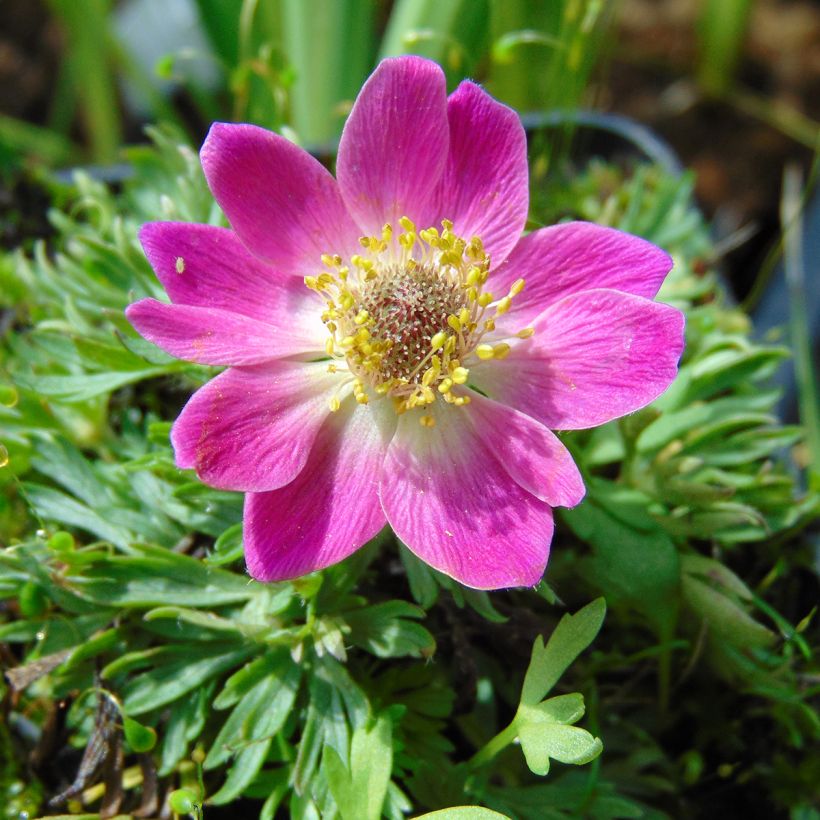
(283,203)
(206,266)
(484,189)
(394,144)
(448,498)
(252,428)
(528,451)
(564,259)
(213,336)
(595,356)
(331,508)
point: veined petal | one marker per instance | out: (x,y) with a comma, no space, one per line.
(331,508)
(595,356)
(528,451)
(284,205)
(485,186)
(207,266)
(210,335)
(394,144)
(252,428)
(449,499)
(563,259)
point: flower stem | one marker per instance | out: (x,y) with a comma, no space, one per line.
(493,746)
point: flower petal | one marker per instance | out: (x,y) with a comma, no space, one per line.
(206,266)
(564,259)
(595,356)
(394,144)
(484,189)
(448,498)
(252,428)
(283,203)
(331,508)
(532,454)
(211,336)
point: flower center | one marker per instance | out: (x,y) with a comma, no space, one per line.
(407,313)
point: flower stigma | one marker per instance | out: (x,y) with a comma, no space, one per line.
(408,315)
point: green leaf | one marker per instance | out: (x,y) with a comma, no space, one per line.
(140,738)
(639,567)
(360,791)
(159,577)
(566,744)
(573,634)
(260,713)
(387,631)
(463,813)
(560,709)
(164,684)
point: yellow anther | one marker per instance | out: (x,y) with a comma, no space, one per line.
(331,368)
(312,282)
(447,224)
(387,233)
(361,317)
(407,240)
(525,333)
(438,340)
(459,375)
(329,346)
(464,316)
(427,395)
(427,421)
(501,350)
(450,346)
(473,276)
(430,375)
(454,323)
(334,404)
(485,351)
(485,299)
(503,305)
(460,401)
(325,279)
(489,324)
(472,294)
(364,241)
(348,341)
(362,334)
(329,261)
(445,385)
(407,223)
(517,287)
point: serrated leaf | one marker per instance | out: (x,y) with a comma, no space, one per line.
(573,634)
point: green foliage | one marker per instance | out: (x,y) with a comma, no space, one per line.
(379,687)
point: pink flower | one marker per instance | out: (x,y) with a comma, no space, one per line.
(397,352)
